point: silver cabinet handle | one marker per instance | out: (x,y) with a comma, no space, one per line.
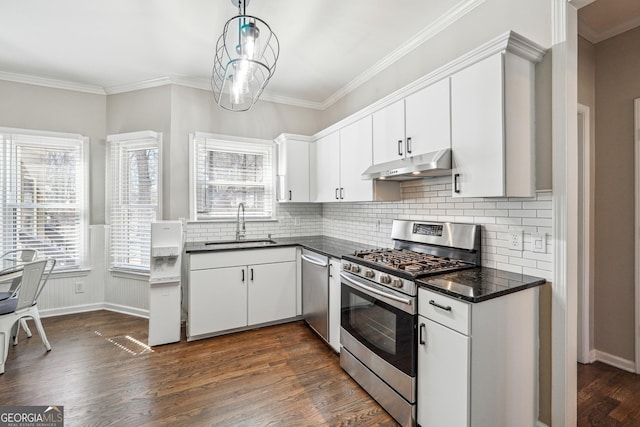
(421,340)
(409,148)
(399,147)
(341,193)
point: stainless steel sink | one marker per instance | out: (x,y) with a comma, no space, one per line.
(237,244)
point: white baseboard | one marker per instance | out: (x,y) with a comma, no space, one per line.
(133,311)
(618,362)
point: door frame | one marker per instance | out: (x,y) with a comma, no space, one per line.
(636,137)
(585,350)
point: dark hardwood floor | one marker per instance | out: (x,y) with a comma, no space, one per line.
(281,376)
(607,396)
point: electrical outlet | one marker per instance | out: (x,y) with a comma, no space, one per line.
(296,221)
(378,224)
(79,287)
(539,242)
(515,240)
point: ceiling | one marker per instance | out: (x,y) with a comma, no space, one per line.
(327,47)
(604,19)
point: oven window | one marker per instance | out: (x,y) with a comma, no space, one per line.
(374,323)
(387,331)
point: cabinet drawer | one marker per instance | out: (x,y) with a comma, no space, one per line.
(217,259)
(449,312)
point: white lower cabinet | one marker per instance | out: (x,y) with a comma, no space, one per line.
(218,300)
(477,363)
(272,292)
(225,293)
(443,380)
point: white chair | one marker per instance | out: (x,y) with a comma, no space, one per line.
(17,256)
(24,306)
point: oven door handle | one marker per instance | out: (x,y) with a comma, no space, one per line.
(373,290)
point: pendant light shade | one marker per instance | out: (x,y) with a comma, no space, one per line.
(246,56)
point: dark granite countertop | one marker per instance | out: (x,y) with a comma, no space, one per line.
(328,246)
(479,284)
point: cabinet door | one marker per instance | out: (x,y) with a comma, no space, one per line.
(428,119)
(293,169)
(477,129)
(355,158)
(327,168)
(217,300)
(272,292)
(388,133)
(443,375)
(334,304)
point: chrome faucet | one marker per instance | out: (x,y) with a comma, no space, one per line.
(240,233)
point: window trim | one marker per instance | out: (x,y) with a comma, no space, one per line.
(193,208)
(129,136)
(85,205)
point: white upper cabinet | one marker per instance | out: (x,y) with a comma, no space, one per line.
(355,157)
(492,113)
(293,168)
(428,119)
(326,168)
(338,161)
(388,133)
(418,124)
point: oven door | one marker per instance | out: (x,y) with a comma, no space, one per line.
(380,319)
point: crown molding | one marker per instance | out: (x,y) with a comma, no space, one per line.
(509,41)
(452,15)
(589,33)
(52,83)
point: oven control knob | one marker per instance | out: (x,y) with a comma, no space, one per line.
(396,283)
(355,268)
(384,278)
(346,266)
(369,274)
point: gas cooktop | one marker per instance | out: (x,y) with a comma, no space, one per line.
(406,262)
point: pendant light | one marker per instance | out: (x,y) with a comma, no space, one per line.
(246,56)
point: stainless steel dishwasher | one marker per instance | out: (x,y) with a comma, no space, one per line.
(315,292)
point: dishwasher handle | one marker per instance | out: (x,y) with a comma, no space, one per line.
(313,261)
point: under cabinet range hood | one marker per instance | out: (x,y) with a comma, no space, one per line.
(436,163)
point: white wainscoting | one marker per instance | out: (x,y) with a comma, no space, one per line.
(102,290)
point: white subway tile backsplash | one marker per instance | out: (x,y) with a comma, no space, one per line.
(424,200)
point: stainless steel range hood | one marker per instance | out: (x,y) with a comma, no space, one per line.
(436,163)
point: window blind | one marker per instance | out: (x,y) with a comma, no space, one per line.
(134,195)
(228,173)
(43,192)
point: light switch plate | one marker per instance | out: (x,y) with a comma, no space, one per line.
(539,242)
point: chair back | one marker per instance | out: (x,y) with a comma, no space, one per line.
(21,255)
(31,283)
(51,263)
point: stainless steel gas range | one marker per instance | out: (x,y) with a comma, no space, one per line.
(378,325)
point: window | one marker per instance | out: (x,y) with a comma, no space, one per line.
(134,195)
(226,173)
(43,191)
